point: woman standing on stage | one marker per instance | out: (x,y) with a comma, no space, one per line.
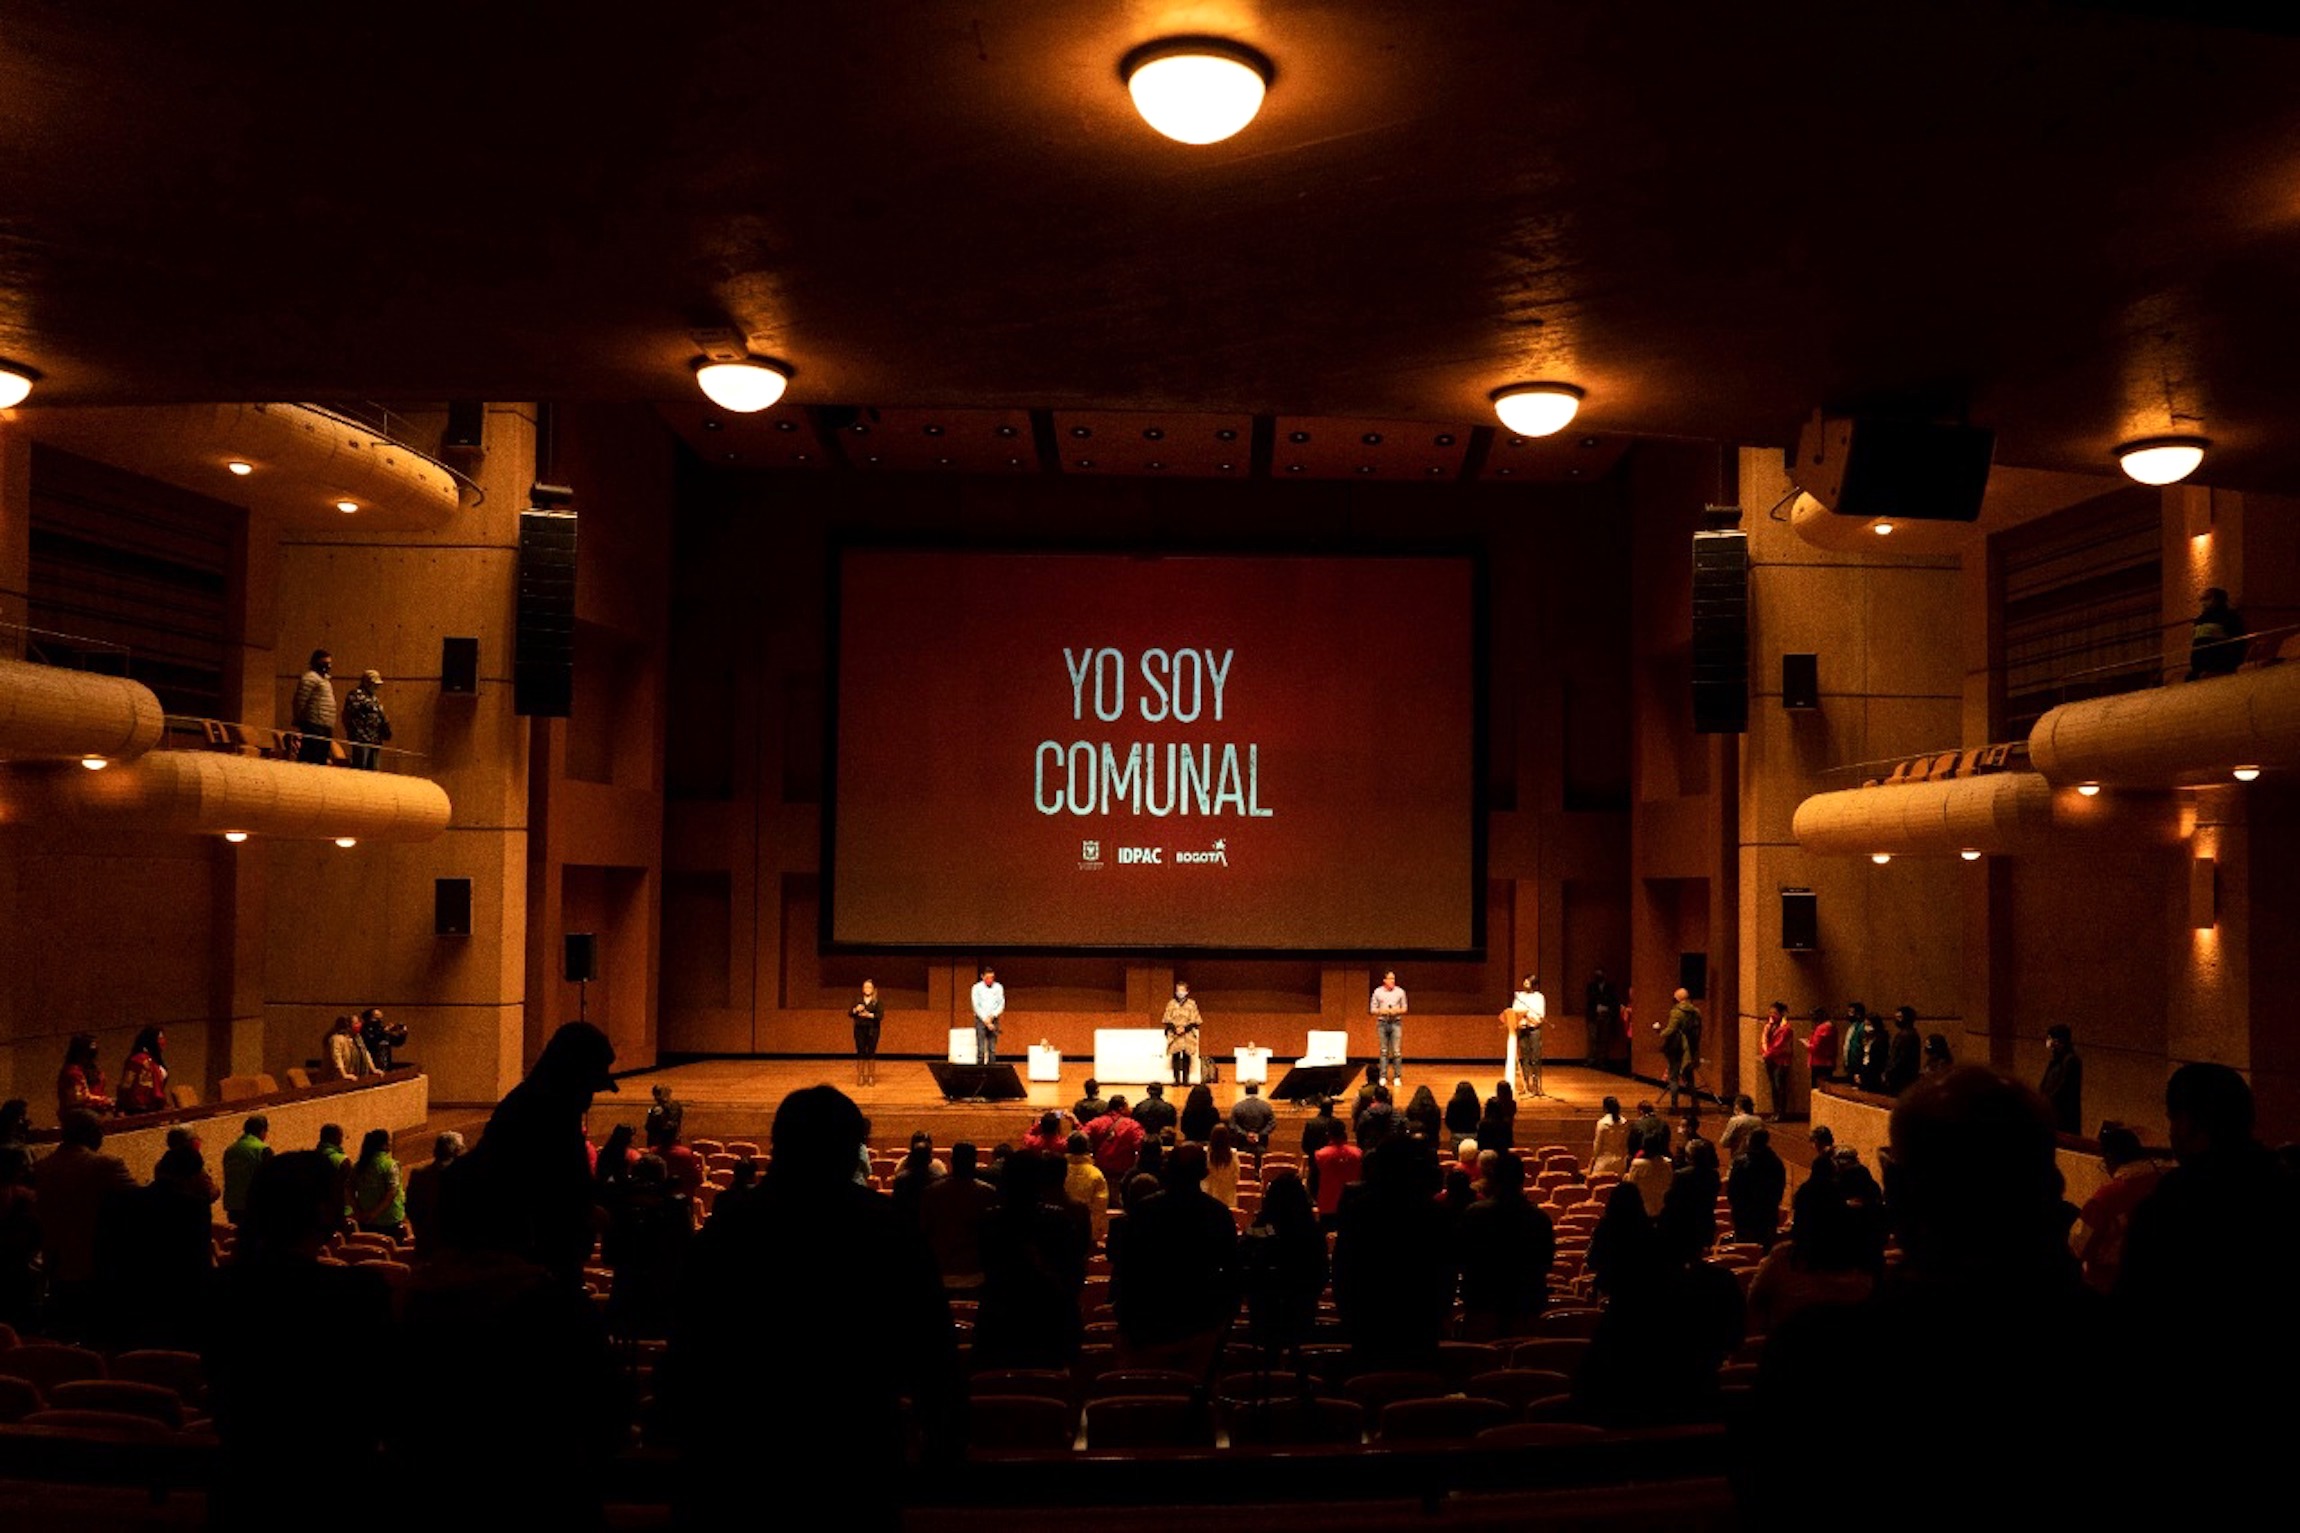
(868,1012)
(1523,1022)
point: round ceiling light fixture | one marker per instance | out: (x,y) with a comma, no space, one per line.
(745,387)
(240,467)
(2162,459)
(1880,858)
(347,507)
(15,384)
(347,842)
(94,763)
(2247,774)
(1537,409)
(235,837)
(1196,90)
(1970,855)
(1883,529)
(2088,789)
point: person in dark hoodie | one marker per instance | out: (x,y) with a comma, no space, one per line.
(531,1169)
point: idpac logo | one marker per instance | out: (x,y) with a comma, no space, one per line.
(1220,854)
(1153,855)
(1090,851)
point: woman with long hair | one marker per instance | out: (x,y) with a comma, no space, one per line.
(378,1197)
(144,1078)
(1423,1115)
(1283,1256)
(80,1084)
(1497,1130)
(1222,1165)
(1198,1114)
(868,1012)
(1609,1151)
(1461,1113)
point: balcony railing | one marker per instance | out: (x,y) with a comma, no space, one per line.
(185,733)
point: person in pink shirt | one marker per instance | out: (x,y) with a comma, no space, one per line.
(1778,1048)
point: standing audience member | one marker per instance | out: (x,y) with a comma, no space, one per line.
(666,1117)
(1283,1262)
(1777,1046)
(314,711)
(381,1037)
(15,1131)
(1621,1248)
(19,1223)
(1393,1265)
(1650,1175)
(153,1255)
(1681,1045)
(1117,1141)
(1333,1171)
(1938,1060)
(1904,1056)
(243,1158)
(1424,1117)
(1603,1009)
(1462,1112)
(347,1056)
(1741,1125)
(1858,1029)
(1822,1262)
(952,1213)
(1046,1136)
(1506,1246)
(1222,1167)
(1154,1112)
(1198,1115)
(531,1165)
(649,1225)
(80,1084)
(1253,1120)
(811,1278)
(1174,1270)
(1821,1047)
(1648,1129)
(144,1076)
(2097,1238)
(1609,1149)
(919,1170)
(1755,1187)
(2063,1083)
(424,1184)
(72,1184)
(1315,1130)
(2216,644)
(1378,1121)
(378,1198)
(331,1146)
(365,725)
(1084,1184)
(1090,1106)
(1034,1248)
(1497,1130)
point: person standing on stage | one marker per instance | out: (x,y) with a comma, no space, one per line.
(1531,1012)
(989,1006)
(1608,1043)
(868,1011)
(1181,1022)
(1681,1046)
(1389,1009)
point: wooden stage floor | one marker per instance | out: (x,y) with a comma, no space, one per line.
(736,1098)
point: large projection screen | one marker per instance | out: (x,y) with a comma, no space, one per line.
(1057,750)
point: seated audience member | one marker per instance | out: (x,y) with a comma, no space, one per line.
(1047,1136)
(919,1170)
(1609,1148)
(1154,1112)
(2206,1285)
(1424,1117)
(1222,1167)
(73,1183)
(1462,1112)
(1034,1248)
(423,1189)
(80,1084)
(1985,1322)
(1283,1262)
(280,1454)
(1467,1155)
(347,1058)
(243,1158)
(649,1224)
(378,1196)
(952,1212)
(1198,1115)
(1822,1262)
(1174,1270)
(1505,1247)
(2097,1237)
(1333,1171)
(1117,1141)
(1755,1187)
(1393,1266)
(144,1075)
(1253,1120)
(1650,1174)
(1738,1126)
(1089,1106)
(811,1279)
(1084,1184)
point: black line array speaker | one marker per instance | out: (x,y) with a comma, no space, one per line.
(459,667)
(1693,974)
(451,907)
(1801,681)
(543,647)
(1721,632)
(1800,920)
(582,957)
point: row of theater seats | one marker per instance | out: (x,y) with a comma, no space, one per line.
(139,1395)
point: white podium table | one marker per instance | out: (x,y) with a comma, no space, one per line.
(1253,1065)
(1133,1056)
(1045,1063)
(962,1046)
(1327,1048)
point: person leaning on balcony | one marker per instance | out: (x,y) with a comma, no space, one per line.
(365,724)
(2217,645)
(315,710)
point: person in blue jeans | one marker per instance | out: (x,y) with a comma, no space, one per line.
(1389,1009)
(989,1006)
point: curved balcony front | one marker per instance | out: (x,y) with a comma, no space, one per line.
(210,793)
(49,714)
(2186,735)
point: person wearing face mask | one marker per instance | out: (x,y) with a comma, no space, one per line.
(1181,1023)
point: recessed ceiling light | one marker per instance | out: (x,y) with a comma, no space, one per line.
(2247,774)
(1445,439)
(1537,409)
(241,467)
(1883,529)
(1226,434)
(1007,431)
(1153,433)
(347,507)
(1297,437)
(346,842)
(2088,789)
(1371,439)
(1085,462)
(1969,854)
(931,430)
(1225,468)
(786,425)
(1153,465)
(2162,459)
(1196,90)
(1880,858)
(15,384)
(1082,432)
(235,837)
(94,763)
(745,387)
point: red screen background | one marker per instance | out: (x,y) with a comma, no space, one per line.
(1353,679)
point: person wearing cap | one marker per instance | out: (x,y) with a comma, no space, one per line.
(365,724)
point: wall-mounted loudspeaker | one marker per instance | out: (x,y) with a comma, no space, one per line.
(451,907)
(1800,920)
(1721,632)
(1693,974)
(582,957)
(543,646)
(459,667)
(1882,466)
(466,426)
(1800,681)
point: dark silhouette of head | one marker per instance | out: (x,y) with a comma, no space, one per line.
(1971,1183)
(574,1065)
(818,1133)
(2209,1108)
(294,1204)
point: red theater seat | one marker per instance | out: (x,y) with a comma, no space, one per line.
(1450,1420)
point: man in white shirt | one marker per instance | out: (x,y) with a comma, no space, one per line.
(1532,1011)
(1389,1009)
(989,1006)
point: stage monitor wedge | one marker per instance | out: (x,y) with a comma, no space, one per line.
(1893,468)
(976,1083)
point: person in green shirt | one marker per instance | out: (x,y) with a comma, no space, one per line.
(331,1146)
(243,1157)
(377,1199)
(1681,1047)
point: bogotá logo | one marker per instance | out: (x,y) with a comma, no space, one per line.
(1090,856)
(1220,854)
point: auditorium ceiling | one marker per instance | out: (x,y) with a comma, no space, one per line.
(2078,222)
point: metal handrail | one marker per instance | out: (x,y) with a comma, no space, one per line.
(386,423)
(235,738)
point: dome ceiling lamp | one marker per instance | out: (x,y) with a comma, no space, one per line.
(2162,459)
(1537,409)
(16,382)
(732,378)
(1196,90)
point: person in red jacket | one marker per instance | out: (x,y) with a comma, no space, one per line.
(1117,1141)
(1821,1047)
(1778,1048)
